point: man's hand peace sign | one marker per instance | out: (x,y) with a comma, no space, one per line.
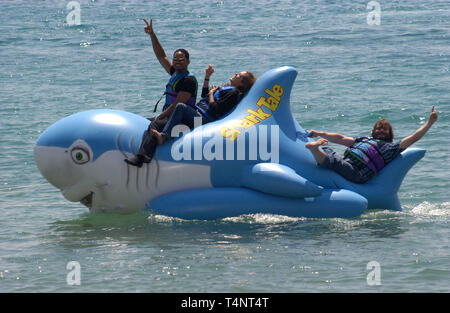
(149,28)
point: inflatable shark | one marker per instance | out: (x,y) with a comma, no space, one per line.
(253,160)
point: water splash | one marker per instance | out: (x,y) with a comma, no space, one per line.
(432,209)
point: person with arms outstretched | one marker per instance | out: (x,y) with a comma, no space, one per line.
(365,157)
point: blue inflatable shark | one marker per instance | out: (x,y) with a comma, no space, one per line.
(253,160)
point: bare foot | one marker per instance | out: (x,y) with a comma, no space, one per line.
(316,144)
(318,154)
(160,138)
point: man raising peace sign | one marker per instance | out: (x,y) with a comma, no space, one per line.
(181,88)
(182,85)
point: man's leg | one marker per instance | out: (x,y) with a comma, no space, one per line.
(182,114)
(148,144)
(318,154)
(330,160)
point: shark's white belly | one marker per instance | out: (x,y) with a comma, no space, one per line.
(141,185)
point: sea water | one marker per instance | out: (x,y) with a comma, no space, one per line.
(358,61)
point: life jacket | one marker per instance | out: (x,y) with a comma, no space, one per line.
(170,92)
(367,151)
(203,105)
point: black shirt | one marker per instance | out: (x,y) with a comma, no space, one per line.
(227,101)
(187,84)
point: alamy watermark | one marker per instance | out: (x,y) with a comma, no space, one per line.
(374,276)
(74,16)
(374,16)
(74,276)
(254,144)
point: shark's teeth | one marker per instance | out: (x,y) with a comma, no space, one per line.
(87,201)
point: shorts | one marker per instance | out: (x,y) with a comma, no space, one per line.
(341,166)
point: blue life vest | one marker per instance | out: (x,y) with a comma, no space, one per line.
(203,105)
(367,151)
(170,92)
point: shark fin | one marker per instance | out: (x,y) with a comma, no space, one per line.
(381,191)
(267,103)
(279,180)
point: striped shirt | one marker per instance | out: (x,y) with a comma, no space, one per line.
(388,150)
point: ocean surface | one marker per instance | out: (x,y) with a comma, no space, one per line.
(351,73)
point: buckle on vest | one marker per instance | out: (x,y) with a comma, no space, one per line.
(202,106)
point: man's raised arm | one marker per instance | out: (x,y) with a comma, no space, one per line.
(157,48)
(408,141)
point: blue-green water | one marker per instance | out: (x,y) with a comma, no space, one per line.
(350,75)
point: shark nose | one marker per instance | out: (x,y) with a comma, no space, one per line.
(50,166)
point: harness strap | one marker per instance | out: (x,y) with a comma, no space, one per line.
(202,106)
(156,105)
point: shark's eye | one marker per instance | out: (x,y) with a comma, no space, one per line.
(80,156)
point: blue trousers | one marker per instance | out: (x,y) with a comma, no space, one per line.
(182,114)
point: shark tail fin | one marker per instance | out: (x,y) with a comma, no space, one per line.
(381,191)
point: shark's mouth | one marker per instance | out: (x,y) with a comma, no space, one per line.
(87,201)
